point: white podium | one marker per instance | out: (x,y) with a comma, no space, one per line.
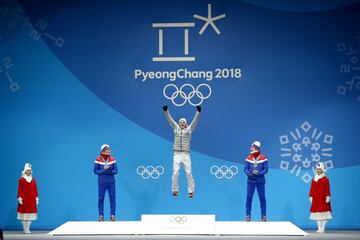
(178,224)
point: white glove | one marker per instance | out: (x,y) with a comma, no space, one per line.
(327,199)
(37,201)
(310,199)
(20,201)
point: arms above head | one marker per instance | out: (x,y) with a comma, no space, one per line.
(169,118)
(194,122)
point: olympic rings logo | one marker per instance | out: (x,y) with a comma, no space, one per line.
(178,219)
(224,171)
(150,171)
(180,93)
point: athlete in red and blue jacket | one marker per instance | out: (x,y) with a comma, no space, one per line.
(105,167)
(255,167)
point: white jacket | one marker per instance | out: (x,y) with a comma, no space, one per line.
(182,137)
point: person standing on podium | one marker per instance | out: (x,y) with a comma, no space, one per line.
(255,167)
(182,140)
(105,167)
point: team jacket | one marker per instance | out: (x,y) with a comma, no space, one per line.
(105,176)
(182,137)
(260,164)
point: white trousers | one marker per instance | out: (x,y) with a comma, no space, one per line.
(182,158)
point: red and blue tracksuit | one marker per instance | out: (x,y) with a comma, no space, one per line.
(106,181)
(257,181)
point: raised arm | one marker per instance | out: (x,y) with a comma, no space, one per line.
(169,118)
(194,122)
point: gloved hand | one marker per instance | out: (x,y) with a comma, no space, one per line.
(255,172)
(198,108)
(310,199)
(37,201)
(20,201)
(165,108)
(327,199)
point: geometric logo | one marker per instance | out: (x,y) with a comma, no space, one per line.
(303,148)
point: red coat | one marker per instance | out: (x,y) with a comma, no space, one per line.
(319,191)
(28,192)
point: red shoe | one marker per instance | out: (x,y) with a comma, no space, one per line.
(112,218)
(263,218)
(175,193)
(248,219)
(101,219)
(191,195)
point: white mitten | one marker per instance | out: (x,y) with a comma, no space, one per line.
(37,201)
(327,199)
(310,199)
(20,201)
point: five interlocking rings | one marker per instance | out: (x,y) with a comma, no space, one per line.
(187,97)
(178,219)
(224,171)
(150,171)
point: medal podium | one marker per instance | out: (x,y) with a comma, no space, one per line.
(168,224)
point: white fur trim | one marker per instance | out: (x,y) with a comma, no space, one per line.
(320,216)
(27,216)
(318,177)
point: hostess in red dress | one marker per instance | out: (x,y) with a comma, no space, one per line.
(28,192)
(319,191)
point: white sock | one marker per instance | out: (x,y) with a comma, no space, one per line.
(24,226)
(318,225)
(323,225)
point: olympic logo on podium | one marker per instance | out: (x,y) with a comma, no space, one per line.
(150,171)
(178,219)
(224,171)
(180,93)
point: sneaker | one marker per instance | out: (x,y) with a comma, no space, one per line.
(191,195)
(101,219)
(248,219)
(263,219)
(175,193)
(112,218)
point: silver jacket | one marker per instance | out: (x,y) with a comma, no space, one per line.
(182,137)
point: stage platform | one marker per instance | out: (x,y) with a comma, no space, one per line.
(328,235)
(165,224)
(141,228)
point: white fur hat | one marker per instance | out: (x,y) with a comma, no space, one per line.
(27,167)
(320,165)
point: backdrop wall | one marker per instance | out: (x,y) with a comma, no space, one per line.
(77,74)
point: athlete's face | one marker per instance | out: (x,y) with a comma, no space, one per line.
(107,151)
(253,150)
(182,124)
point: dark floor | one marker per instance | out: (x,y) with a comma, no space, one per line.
(329,235)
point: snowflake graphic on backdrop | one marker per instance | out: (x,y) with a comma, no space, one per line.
(350,69)
(303,148)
